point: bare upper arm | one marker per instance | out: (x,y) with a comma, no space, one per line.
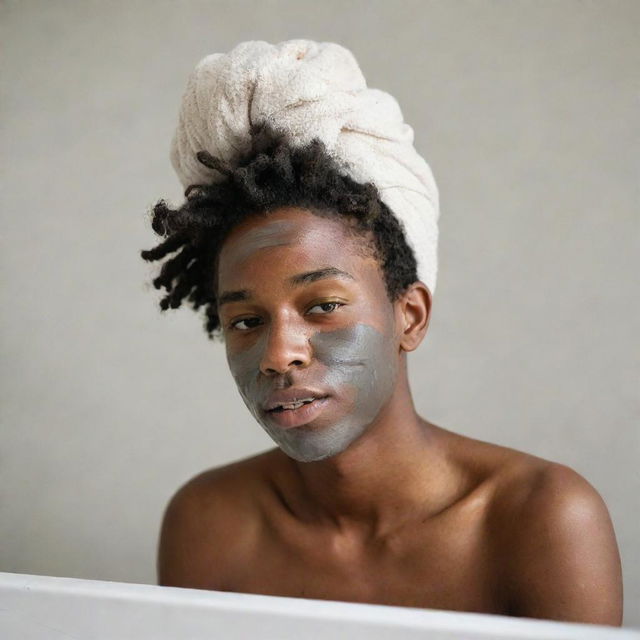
(563,558)
(203,529)
(177,557)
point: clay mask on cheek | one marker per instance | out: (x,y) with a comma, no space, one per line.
(358,362)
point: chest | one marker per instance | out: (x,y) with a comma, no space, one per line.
(445,566)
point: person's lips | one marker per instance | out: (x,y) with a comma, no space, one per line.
(291,399)
(294,407)
(300,415)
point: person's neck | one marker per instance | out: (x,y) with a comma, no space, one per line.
(396,471)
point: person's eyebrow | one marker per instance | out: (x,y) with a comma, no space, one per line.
(233,296)
(320,274)
(300,278)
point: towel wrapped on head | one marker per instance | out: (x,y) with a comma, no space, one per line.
(304,90)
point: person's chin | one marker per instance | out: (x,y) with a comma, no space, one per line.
(311,451)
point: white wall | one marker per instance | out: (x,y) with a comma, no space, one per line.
(527,113)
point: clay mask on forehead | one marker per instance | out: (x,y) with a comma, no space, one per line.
(357,366)
(280,233)
(275,233)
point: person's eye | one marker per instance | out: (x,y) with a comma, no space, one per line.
(244,324)
(326,307)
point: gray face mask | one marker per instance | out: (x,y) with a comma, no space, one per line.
(357,365)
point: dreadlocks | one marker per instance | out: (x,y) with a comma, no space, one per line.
(272,175)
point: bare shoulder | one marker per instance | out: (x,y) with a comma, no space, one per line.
(552,535)
(561,558)
(210,522)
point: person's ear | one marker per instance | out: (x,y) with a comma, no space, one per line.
(414,312)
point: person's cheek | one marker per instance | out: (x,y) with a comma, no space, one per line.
(244,365)
(359,357)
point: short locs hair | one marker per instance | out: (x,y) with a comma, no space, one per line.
(274,174)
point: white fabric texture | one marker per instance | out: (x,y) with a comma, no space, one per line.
(308,89)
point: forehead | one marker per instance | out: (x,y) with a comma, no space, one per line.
(289,238)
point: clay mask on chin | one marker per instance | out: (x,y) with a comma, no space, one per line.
(359,362)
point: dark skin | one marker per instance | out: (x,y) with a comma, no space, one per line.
(408,513)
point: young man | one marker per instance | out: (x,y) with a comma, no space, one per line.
(312,280)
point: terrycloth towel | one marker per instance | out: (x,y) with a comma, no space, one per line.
(309,89)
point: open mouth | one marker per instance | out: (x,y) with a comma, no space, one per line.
(299,412)
(292,406)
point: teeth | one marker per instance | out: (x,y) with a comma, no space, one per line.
(296,404)
(292,406)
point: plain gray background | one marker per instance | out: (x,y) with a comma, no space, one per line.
(527,114)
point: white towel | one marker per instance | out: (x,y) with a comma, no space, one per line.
(308,89)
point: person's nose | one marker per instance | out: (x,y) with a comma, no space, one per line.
(287,346)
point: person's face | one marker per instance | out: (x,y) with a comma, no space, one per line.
(309,330)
